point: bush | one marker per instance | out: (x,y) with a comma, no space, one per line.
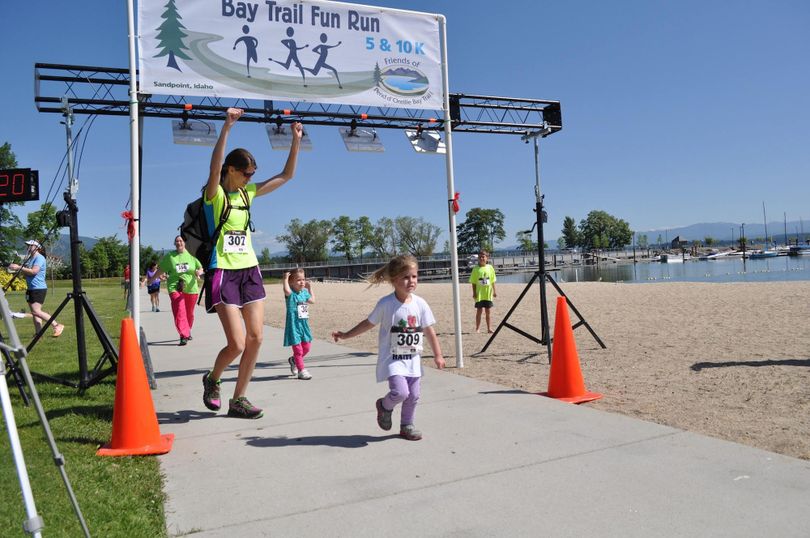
(18,285)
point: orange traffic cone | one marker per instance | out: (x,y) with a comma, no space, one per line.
(565,379)
(135,430)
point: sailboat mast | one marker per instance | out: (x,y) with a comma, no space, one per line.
(765,220)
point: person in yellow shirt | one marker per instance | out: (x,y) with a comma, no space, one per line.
(483,279)
(234,288)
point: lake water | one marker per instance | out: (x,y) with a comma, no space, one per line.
(730,270)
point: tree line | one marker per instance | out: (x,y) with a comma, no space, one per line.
(598,230)
(481,229)
(353,239)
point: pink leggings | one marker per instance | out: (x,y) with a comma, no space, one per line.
(299,352)
(183,309)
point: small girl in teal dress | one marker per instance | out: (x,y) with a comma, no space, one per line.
(298,296)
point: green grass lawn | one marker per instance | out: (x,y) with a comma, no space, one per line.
(118,496)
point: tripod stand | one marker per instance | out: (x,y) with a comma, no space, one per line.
(12,368)
(34,523)
(541,274)
(81,304)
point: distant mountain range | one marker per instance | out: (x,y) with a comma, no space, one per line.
(61,247)
(719,231)
(723,231)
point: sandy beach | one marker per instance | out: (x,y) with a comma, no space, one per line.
(727,360)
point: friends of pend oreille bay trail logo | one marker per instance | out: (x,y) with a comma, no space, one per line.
(301,69)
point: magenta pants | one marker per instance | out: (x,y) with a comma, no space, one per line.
(404,390)
(183,310)
(299,352)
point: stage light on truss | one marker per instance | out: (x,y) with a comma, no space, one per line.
(360,139)
(281,138)
(194,132)
(426,141)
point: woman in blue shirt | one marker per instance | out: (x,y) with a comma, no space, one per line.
(34,272)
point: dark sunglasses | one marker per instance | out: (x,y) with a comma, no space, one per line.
(248,174)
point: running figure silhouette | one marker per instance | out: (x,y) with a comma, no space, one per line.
(251,43)
(322,51)
(292,58)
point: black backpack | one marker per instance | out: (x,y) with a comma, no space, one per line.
(194,229)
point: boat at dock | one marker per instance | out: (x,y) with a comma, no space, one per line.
(721,255)
(759,254)
(674,258)
(799,250)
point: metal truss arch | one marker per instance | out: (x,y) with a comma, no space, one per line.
(104,91)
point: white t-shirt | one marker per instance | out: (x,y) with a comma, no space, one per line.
(401,336)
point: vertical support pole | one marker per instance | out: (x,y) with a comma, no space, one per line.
(450,195)
(541,250)
(75,265)
(135,244)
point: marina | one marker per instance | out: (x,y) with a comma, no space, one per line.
(723,269)
(615,266)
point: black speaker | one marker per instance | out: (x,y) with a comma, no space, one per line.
(455,111)
(63,218)
(553,115)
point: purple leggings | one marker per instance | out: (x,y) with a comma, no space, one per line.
(404,390)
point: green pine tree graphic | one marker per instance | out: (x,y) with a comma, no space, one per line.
(377,75)
(170,36)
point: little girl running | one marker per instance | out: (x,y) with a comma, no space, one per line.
(405,319)
(298,296)
(152,285)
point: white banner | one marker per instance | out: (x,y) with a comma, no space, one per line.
(305,50)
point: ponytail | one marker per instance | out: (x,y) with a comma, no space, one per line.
(392,269)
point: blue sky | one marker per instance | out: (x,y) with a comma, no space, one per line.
(674,113)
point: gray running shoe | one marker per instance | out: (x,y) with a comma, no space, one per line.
(407,431)
(383,416)
(242,408)
(211,397)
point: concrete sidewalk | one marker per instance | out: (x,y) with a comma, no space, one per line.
(493,462)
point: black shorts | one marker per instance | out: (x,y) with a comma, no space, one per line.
(153,288)
(36,296)
(484,304)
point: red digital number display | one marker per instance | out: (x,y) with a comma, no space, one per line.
(11,184)
(19,185)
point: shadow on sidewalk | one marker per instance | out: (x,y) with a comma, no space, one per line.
(340,441)
(184,416)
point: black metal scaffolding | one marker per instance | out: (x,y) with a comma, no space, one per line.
(104,91)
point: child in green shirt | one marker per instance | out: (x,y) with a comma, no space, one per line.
(483,279)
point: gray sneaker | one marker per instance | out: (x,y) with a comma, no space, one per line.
(407,431)
(242,408)
(383,416)
(211,397)
(293,368)
(304,374)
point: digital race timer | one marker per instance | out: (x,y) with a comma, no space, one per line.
(19,185)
